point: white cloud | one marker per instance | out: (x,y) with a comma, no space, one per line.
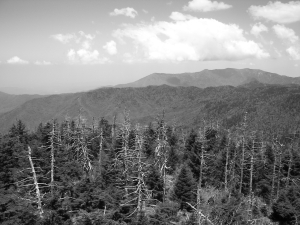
(294,52)
(85,56)
(42,63)
(111,47)
(87,36)
(130,12)
(67,38)
(258,28)
(177,16)
(17,60)
(277,12)
(193,39)
(205,6)
(64,38)
(285,33)
(145,11)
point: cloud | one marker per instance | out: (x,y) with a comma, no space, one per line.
(86,57)
(85,54)
(205,6)
(130,12)
(285,33)
(111,47)
(277,12)
(294,52)
(179,40)
(17,60)
(67,38)
(63,38)
(87,36)
(177,16)
(42,63)
(258,28)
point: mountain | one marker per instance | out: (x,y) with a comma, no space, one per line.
(9,102)
(266,105)
(213,78)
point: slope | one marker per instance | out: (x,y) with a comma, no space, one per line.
(213,78)
(267,106)
(9,102)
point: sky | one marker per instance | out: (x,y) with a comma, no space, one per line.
(59,46)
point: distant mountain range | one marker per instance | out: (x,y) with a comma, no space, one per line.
(213,78)
(9,102)
(267,105)
(265,96)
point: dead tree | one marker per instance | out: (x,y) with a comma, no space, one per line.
(244,127)
(124,155)
(29,188)
(226,175)
(161,154)
(100,152)
(52,138)
(137,193)
(79,145)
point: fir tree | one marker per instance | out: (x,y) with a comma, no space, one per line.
(184,189)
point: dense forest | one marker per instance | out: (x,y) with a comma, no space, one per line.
(96,172)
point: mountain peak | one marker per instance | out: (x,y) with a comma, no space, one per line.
(213,78)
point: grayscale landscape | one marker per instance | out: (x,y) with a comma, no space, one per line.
(139,112)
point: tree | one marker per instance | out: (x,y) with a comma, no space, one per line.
(184,189)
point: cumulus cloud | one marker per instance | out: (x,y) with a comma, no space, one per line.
(258,28)
(42,63)
(85,56)
(277,12)
(111,47)
(17,60)
(177,16)
(193,39)
(294,52)
(130,12)
(285,33)
(205,6)
(63,38)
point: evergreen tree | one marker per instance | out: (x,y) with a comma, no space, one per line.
(155,183)
(185,188)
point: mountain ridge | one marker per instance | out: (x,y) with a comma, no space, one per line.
(9,101)
(187,106)
(213,78)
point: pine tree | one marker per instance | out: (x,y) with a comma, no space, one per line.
(185,187)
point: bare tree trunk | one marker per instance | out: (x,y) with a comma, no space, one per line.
(251,181)
(274,174)
(200,177)
(226,165)
(36,185)
(243,153)
(52,135)
(289,167)
(242,165)
(100,153)
(279,171)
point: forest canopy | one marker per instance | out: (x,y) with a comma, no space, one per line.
(122,173)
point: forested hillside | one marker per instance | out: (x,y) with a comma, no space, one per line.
(9,102)
(213,78)
(96,172)
(267,105)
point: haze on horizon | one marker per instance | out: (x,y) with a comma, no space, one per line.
(74,45)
